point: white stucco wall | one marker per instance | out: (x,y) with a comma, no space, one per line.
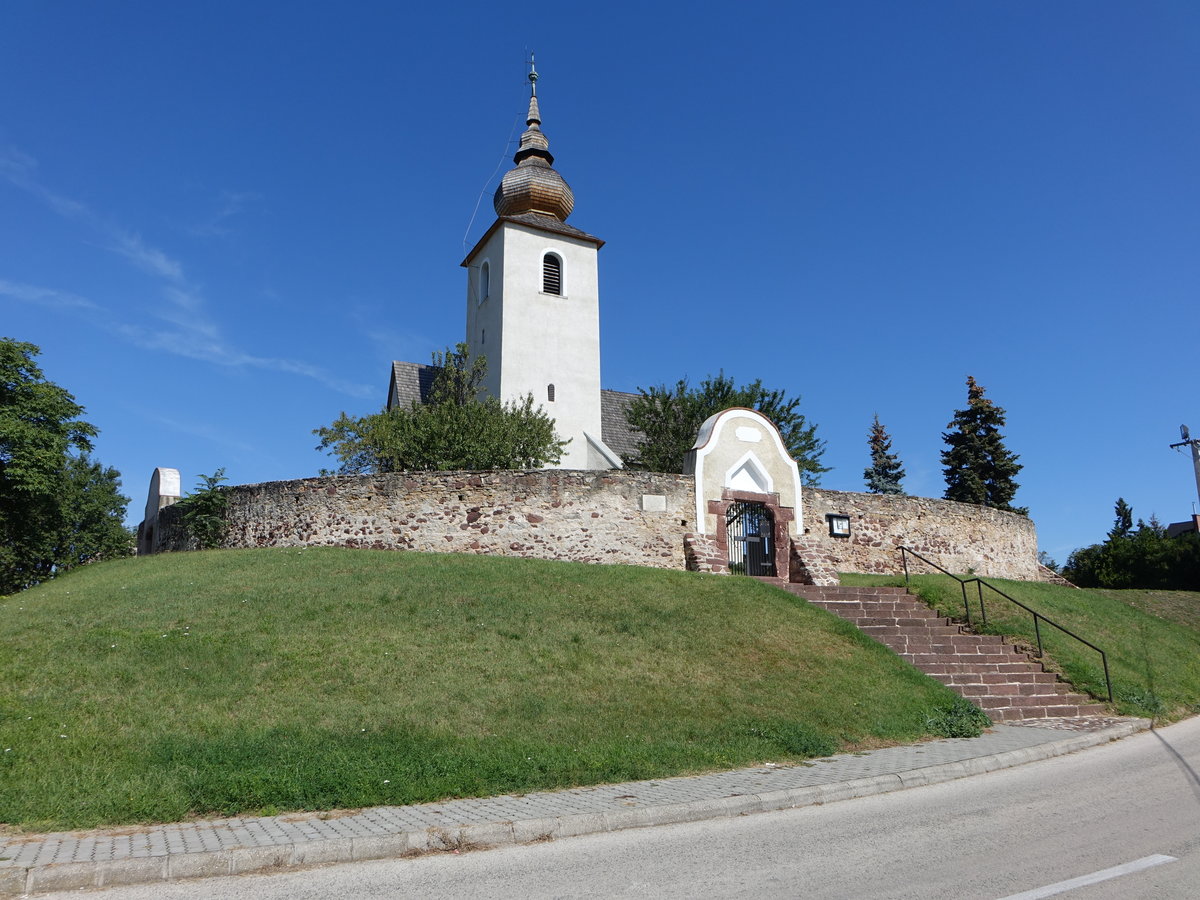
(534,339)
(485,337)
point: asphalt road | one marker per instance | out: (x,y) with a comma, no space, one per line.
(1127,815)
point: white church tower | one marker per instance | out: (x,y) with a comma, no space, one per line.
(533,300)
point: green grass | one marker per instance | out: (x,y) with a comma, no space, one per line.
(1152,638)
(237,681)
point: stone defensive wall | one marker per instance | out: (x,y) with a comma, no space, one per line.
(959,537)
(615,516)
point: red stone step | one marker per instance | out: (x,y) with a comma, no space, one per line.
(845,589)
(875,626)
(969,677)
(1012,667)
(1000,652)
(1023,689)
(869,620)
(889,610)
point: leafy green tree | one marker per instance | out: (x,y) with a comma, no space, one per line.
(670,418)
(454,430)
(58,508)
(459,379)
(978,467)
(94,513)
(885,474)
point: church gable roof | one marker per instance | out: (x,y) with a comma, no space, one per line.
(410,383)
(615,429)
(548,223)
(534,220)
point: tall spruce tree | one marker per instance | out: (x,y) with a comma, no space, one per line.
(885,473)
(978,467)
(1123,523)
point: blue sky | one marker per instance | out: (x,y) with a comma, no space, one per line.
(221,221)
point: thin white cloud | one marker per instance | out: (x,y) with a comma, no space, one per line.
(191,333)
(187,344)
(391,343)
(316,373)
(148,259)
(229,205)
(205,432)
(48,297)
(185,310)
(184,298)
(18,168)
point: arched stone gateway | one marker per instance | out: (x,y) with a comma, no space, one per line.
(747,493)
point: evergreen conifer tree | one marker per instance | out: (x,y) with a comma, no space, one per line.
(978,467)
(885,473)
(1123,524)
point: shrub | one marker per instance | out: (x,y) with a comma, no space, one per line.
(962,718)
(203,511)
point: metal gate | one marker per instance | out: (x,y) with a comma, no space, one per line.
(750,529)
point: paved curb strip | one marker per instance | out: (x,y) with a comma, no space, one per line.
(172,863)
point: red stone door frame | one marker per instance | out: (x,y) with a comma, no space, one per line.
(780,517)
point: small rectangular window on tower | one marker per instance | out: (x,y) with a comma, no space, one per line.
(551,274)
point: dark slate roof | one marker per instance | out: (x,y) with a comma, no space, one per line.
(410,382)
(549,223)
(614,428)
(535,220)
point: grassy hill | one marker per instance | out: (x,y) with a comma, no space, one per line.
(267,680)
(1152,638)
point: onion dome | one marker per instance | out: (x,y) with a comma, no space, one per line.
(533,186)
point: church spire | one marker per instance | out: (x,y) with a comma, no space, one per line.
(533,142)
(534,113)
(533,186)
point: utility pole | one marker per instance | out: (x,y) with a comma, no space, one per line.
(1194,443)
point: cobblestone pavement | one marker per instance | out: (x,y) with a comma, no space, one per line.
(69,860)
(1077,723)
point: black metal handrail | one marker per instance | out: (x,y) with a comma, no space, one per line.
(1038,618)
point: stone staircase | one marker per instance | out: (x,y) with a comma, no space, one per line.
(998,677)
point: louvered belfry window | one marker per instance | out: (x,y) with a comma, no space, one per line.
(551,274)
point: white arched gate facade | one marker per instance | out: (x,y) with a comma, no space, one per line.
(747,492)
